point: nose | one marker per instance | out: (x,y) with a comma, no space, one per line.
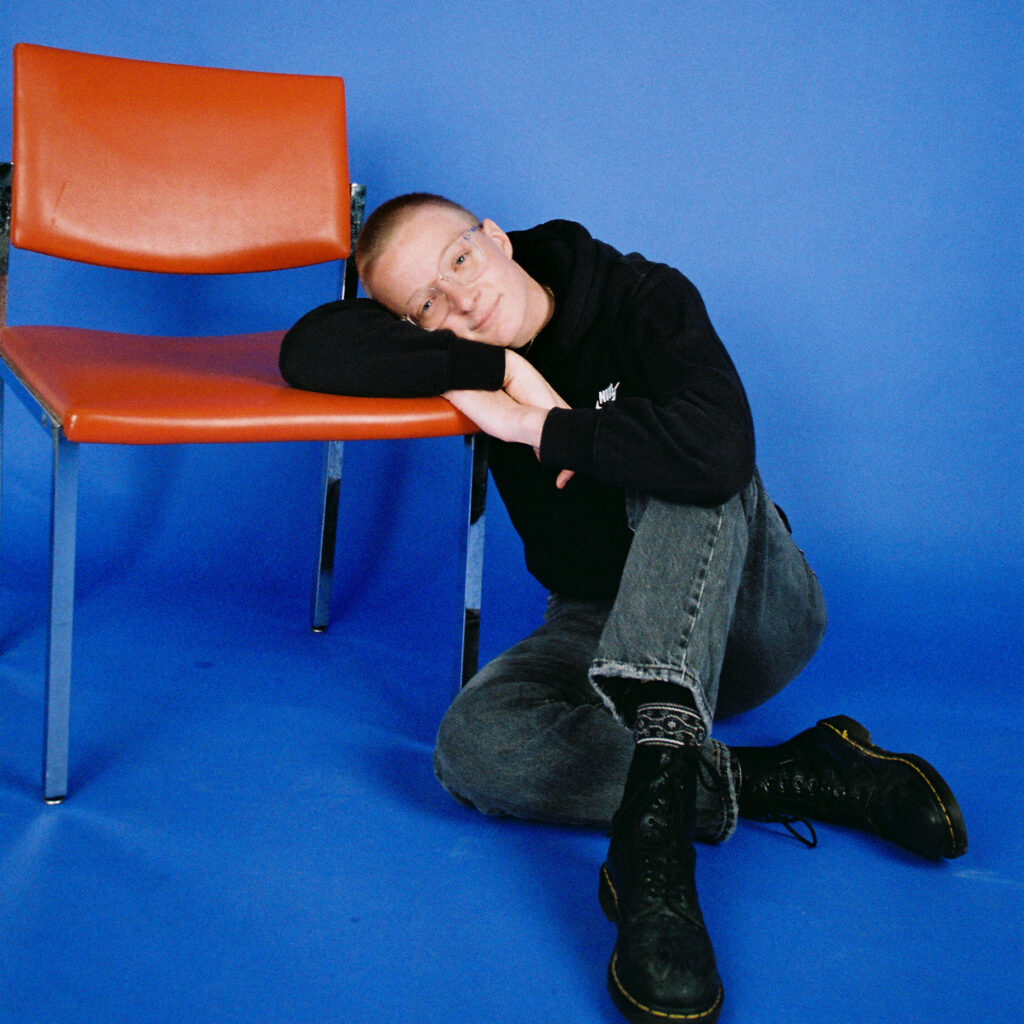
(461,297)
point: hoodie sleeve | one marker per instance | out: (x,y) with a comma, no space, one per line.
(356,347)
(679,426)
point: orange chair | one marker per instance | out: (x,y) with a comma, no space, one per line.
(159,167)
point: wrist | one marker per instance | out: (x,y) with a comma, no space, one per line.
(510,366)
(532,425)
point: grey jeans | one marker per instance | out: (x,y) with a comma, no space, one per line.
(718,600)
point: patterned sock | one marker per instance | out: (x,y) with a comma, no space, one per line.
(665,714)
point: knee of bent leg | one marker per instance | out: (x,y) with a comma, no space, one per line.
(453,738)
(467,748)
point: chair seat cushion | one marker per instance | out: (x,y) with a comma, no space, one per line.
(114,388)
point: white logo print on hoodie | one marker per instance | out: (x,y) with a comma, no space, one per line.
(607,396)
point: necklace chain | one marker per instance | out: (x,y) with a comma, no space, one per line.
(526,348)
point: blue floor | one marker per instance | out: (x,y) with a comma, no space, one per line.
(254,833)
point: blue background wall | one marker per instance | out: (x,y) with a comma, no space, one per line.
(841,181)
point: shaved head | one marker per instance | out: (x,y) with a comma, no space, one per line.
(381,225)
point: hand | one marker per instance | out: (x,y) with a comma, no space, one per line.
(527,385)
(497,413)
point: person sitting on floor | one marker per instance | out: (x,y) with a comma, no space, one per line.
(623,449)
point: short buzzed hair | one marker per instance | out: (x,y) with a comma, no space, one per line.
(385,220)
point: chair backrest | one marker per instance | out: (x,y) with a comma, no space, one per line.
(165,167)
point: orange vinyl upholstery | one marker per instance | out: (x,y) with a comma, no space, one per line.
(164,167)
(126,389)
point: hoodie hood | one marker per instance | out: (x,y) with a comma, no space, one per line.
(576,267)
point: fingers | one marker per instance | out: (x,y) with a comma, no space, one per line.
(563,477)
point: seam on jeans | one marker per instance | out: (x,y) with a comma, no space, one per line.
(680,673)
(684,640)
(606,700)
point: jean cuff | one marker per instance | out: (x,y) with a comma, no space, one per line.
(718,808)
(610,679)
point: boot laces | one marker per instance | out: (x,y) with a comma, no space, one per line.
(665,869)
(816,779)
(813,782)
(789,821)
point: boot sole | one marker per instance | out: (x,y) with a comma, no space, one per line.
(632,1009)
(852,732)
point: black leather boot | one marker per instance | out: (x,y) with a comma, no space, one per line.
(663,966)
(834,773)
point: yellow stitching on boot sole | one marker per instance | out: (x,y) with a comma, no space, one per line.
(702,1015)
(618,984)
(910,764)
(608,881)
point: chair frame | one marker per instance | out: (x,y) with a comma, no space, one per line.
(63,532)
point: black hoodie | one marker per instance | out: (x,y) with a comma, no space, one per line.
(656,403)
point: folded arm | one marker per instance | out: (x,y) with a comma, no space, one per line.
(518,411)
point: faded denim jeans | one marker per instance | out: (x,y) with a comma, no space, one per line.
(717,600)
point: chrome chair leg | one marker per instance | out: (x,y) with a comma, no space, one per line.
(475,488)
(321,606)
(63,515)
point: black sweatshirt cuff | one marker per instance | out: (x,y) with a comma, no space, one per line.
(567,440)
(474,366)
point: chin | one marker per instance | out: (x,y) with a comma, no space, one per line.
(498,337)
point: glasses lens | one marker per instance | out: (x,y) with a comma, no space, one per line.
(461,264)
(463,261)
(429,309)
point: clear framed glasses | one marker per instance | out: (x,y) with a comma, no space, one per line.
(461,264)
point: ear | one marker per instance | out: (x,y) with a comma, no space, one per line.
(496,235)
